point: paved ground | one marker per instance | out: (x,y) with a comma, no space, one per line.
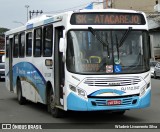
(12,112)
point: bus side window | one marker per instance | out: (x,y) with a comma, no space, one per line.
(37,42)
(22,44)
(0,58)
(7,47)
(48,41)
(29,44)
(15,46)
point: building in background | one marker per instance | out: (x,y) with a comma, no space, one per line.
(152,10)
(2,38)
(96,5)
(140,5)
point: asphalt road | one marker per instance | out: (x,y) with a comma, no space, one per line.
(12,112)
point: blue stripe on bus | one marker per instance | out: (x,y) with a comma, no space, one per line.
(119,92)
(29,73)
(76,103)
(29,26)
(50,20)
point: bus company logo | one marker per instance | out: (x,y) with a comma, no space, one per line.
(6,126)
(115,84)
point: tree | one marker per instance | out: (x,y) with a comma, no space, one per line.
(2,37)
(3,30)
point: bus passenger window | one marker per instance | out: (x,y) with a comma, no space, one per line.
(22,45)
(7,47)
(29,44)
(15,46)
(48,40)
(37,42)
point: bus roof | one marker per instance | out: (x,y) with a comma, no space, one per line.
(51,18)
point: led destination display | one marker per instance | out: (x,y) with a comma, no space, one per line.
(107,19)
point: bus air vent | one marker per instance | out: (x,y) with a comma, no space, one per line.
(112,81)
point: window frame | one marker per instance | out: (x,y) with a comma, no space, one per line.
(7,47)
(34,43)
(44,42)
(15,55)
(27,38)
(21,53)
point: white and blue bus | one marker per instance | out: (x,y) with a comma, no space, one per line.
(88,60)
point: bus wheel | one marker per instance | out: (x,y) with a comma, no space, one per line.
(20,98)
(55,112)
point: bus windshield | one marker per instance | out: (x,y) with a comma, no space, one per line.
(123,51)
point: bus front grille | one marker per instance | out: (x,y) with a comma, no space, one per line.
(112,81)
(124,101)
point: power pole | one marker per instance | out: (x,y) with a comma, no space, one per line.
(27,6)
(34,13)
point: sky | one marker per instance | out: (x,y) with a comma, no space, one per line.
(13,13)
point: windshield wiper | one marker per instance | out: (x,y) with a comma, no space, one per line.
(100,39)
(124,36)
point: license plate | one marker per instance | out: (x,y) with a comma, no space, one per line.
(2,77)
(113,102)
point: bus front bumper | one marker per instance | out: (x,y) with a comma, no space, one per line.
(76,103)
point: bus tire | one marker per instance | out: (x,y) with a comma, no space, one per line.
(55,112)
(20,98)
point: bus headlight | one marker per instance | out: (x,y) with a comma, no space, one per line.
(82,93)
(148,85)
(143,90)
(72,88)
(78,91)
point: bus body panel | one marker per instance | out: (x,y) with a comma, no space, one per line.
(131,96)
(35,75)
(101,103)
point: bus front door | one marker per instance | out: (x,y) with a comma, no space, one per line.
(10,63)
(58,67)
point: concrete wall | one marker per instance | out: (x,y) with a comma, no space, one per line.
(140,5)
(155,44)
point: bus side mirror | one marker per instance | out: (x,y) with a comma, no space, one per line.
(61,45)
(62,48)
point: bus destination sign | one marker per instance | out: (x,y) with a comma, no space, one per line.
(107,19)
